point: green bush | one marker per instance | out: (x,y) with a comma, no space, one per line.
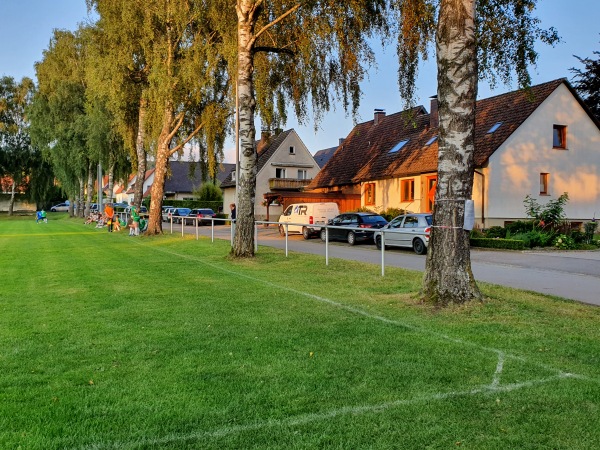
(564,242)
(495,232)
(590,229)
(577,236)
(508,244)
(476,233)
(535,238)
(390,213)
(519,226)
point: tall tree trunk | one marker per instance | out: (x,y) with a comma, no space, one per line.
(243,244)
(11,202)
(448,275)
(138,190)
(160,171)
(111,178)
(90,189)
(80,200)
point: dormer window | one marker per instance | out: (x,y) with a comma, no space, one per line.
(431,141)
(494,127)
(396,148)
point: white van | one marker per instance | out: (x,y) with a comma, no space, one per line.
(306,217)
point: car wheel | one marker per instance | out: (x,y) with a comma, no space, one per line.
(419,247)
(305,233)
(323,234)
(281,230)
(351,238)
(378,242)
(52,210)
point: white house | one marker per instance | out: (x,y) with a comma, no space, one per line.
(541,142)
(284,164)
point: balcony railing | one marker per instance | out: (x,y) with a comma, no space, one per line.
(287,183)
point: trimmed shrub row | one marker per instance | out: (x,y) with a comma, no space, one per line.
(509,244)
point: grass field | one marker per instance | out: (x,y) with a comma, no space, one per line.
(114,342)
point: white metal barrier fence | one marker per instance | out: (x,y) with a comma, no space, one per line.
(184,221)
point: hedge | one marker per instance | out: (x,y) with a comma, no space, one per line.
(510,244)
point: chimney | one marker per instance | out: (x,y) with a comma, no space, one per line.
(379,114)
(434,118)
(341,141)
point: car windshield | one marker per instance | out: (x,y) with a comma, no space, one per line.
(183,211)
(205,211)
(373,219)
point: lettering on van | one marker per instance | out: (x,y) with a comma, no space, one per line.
(300,210)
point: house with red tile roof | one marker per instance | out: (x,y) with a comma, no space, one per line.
(539,142)
(284,165)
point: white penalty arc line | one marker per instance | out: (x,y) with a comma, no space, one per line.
(501,354)
(322,416)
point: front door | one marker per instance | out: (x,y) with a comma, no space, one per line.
(430,188)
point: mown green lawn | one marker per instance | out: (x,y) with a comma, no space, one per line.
(114,342)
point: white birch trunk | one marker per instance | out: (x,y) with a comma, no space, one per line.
(138,190)
(243,244)
(11,202)
(448,275)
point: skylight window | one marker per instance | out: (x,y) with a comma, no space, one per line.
(431,141)
(396,148)
(494,127)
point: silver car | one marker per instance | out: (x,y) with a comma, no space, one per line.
(409,230)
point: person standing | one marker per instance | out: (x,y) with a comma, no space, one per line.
(110,215)
(135,216)
(233,212)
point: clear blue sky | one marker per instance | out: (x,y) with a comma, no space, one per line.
(26,27)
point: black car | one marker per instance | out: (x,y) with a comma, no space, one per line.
(179,213)
(366,222)
(201,213)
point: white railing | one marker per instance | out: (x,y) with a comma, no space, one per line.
(196,220)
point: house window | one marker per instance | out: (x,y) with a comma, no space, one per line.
(233,178)
(559,136)
(302,174)
(407,190)
(544,183)
(292,150)
(279,173)
(370,194)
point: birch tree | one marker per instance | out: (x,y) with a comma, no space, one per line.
(474,39)
(297,54)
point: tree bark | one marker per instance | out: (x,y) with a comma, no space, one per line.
(11,202)
(160,170)
(80,201)
(138,190)
(243,243)
(448,275)
(90,189)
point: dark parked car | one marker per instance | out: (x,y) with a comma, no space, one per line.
(409,230)
(203,212)
(179,213)
(367,222)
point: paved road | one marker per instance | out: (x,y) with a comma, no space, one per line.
(572,275)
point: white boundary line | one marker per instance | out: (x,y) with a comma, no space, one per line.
(322,416)
(494,386)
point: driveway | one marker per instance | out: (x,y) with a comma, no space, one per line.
(573,275)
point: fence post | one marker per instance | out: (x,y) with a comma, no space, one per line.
(196,227)
(286,239)
(326,246)
(382,253)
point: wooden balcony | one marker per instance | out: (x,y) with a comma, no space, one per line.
(288,184)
